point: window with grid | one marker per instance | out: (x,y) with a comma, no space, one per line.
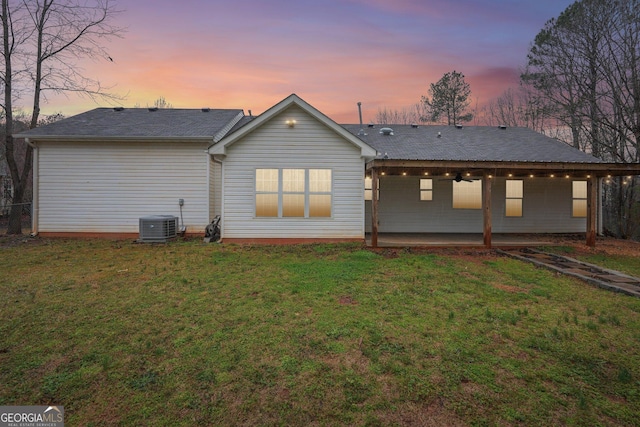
(368,188)
(302,193)
(426,189)
(579,190)
(514,196)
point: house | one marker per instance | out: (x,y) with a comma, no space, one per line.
(292,174)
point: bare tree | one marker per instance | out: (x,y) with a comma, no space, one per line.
(585,67)
(403,116)
(162,103)
(449,99)
(42,43)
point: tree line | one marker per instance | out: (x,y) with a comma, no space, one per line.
(580,84)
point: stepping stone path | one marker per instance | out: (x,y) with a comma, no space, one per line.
(590,273)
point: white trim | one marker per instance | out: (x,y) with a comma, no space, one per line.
(366,151)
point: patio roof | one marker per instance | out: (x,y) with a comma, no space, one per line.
(479,150)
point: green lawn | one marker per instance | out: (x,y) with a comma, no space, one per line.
(193,334)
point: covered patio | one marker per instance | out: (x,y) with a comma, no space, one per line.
(487,171)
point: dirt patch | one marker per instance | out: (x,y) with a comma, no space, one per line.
(347,300)
(604,245)
(9,241)
(510,289)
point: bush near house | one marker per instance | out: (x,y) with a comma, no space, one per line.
(192,334)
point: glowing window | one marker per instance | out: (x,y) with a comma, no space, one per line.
(267,192)
(514,195)
(320,185)
(467,195)
(293,193)
(579,199)
(426,189)
(368,188)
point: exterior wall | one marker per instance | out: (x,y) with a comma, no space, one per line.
(307,145)
(94,187)
(547,205)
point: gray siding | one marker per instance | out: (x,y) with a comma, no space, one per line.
(546,208)
(309,144)
(106,187)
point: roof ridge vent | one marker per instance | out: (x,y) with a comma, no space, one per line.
(459,126)
(413,125)
(205,109)
(386,131)
(118,108)
(502,126)
(153,109)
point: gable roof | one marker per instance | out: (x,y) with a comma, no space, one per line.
(293,99)
(472,143)
(140,123)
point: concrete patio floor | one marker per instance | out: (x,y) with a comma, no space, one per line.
(394,240)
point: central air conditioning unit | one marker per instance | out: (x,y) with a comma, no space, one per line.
(158,228)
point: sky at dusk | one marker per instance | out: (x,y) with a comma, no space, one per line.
(250,54)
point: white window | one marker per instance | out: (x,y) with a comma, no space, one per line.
(267,192)
(467,195)
(426,189)
(368,188)
(514,195)
(303,193)
(579,209)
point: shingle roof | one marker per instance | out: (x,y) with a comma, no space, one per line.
(470,143)
(139,123)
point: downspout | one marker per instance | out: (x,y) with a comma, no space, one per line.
(221,195)
(35,211)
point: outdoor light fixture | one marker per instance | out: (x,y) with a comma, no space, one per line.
(291,123)
(552,176)
(404,174)
(531,176)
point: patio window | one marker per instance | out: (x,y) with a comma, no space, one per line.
(301,193)
(368,188)
(467,195)
(579,199)
(514,195)
(426,189)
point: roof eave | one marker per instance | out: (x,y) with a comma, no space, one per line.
(597,168)
(113,138)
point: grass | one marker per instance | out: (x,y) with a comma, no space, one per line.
(626,263)
(193,334)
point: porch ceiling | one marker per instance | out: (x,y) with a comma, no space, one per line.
(493,168)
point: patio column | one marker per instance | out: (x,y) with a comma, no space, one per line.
(592,208)
(486,209)
(374,207)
